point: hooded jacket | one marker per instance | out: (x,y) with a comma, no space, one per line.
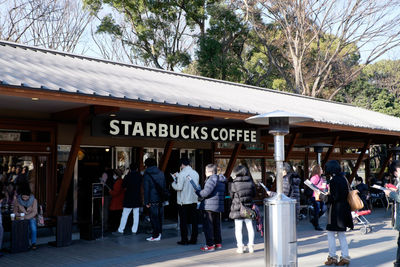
(242,190)
(150,192)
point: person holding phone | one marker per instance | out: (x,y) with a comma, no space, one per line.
(186,200)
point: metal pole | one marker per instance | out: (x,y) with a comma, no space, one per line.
(319,158)
(279,150)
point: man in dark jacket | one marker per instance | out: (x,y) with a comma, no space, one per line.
(154,182)
(132,200)
(212,206)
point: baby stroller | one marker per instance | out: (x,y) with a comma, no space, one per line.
(359,217)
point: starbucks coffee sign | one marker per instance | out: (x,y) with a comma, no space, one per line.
(146,129)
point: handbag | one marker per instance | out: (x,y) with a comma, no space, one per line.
(247,213)
(354,200)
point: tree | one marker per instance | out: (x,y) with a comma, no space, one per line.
(54,24)
(321,38)
(159,33)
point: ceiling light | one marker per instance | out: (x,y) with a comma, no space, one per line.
(113,115)
(226,118)
(107,150)
(35,98)
(147,110)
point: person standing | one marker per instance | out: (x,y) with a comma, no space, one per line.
(318,205)
(117,197)
(26,203)
(242,191)
(212,206)
(186,200)
(154,182)
(394,194)
(291,185)
(339,214)
(132,199)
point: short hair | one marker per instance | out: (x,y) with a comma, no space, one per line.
(394,165)
(133,166)
(287,167)
(359,179)
(150,162)
(185,161)
(212,168)
(333,167)
(241,171)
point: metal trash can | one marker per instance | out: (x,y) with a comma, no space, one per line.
(280,238)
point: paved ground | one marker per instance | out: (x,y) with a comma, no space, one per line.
(377,248)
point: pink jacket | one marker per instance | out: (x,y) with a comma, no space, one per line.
(319,182)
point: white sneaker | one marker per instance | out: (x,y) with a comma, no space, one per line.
(251,248)
(154,238)
(240,250)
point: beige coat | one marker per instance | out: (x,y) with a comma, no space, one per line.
(30,212)
(185,192)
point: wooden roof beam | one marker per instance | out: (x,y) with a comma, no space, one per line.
(291,145)
(359,160)
(329,152)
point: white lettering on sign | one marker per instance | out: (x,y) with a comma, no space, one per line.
(117,127)
(138,129)
(114,127)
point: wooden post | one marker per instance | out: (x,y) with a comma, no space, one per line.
(367,168)
(69,169)
(306,164)
(329,152)
(291,145)
(385,163)
(232,160)
(166,155)
(359,160)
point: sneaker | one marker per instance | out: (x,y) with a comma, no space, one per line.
(240,250)
(154,238)
(208,248)
(343,261)
(331,261)
(33,247)
(218,246)
(251,248)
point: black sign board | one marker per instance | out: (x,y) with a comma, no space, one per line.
(97,190)
(117,127)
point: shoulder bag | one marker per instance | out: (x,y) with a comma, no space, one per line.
(245,212)
(354,200)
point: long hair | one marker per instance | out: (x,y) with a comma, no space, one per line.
(316,169)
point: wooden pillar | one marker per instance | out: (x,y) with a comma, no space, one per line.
(69,169)
(141,155)
(292,142)
(329,152)
(306,164)
(166,155)
(232,160)
(359,160)
(384,164)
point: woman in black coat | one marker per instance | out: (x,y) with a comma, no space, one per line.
(242,191)
(339,214)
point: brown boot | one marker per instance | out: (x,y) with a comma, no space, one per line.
(331,261)
(344,262)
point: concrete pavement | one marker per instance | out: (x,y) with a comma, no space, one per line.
(377,248)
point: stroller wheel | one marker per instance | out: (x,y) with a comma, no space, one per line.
(363,230)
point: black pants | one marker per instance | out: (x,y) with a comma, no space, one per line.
(156,216)
(397,262)
(187,215)
(212,227)
(318,211)
(114,219)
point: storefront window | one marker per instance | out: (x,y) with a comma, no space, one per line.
(123,157)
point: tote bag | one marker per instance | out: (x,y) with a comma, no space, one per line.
(354,200)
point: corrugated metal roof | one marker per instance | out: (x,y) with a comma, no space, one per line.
(33,67)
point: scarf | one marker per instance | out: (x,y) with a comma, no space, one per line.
(26,203)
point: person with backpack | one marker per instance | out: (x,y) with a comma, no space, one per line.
(318,205)
(242,191)
(186,199)
(212,205)
(154,192)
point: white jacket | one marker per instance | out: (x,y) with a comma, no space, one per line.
(185,192)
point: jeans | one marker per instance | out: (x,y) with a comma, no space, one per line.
(124,218)
(33,230)
(188,213)
(238,231)
(156,216)
(318,211)
(212,227)
(343,244)
(397,262)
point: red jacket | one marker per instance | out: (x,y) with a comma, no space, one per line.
(117,195)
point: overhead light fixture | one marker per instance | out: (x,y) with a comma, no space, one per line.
(35,98)
(147,110)
(226,118)
(112,115)
(107,150)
